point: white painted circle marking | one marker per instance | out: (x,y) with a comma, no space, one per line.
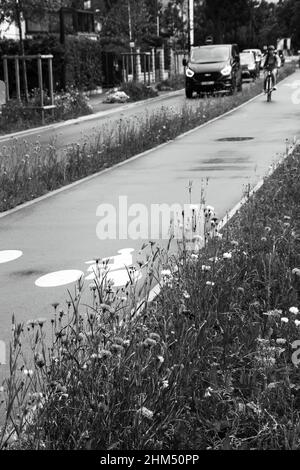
(9,255)
(59,278)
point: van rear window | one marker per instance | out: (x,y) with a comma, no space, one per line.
(205,55)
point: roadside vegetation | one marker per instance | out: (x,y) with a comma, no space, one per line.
(210,364)
(17,116)
(29,171)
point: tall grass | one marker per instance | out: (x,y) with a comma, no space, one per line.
(208,365)
(27,172)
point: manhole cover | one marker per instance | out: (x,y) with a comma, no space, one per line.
(234,139)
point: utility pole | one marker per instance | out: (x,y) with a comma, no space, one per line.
(191,23)
(130,37)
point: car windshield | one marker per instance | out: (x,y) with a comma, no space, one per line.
(205,55)
(247,58)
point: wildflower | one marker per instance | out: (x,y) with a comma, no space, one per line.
(104,354)
(273,313)
(161,359)
(268,229)
(280,341)
(1,389)
(227,255)
(294,310)
(263,239)
(284,320)
(209,283)
(154,336)
(28,372)
(117,348)
(186,295)
(149,342)
(272,385)
(194,257)
(241,408)
(166,272)
(31,323)
(234,243)
(205,268)
(145,412)
(165,384)
(39,360)
(241,290)
(208,392)
(297,322)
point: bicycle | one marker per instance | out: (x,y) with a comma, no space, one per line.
(269,86)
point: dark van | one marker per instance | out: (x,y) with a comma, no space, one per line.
(213,68)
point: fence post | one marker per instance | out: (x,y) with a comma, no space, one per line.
(161,64)
(40,72)
(153,64)
(50,71)
(6,78)
(138,65)
(17,73)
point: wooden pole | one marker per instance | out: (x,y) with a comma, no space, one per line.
(40,72)
(144,69)
(50,71)
(17,73)
(6,78)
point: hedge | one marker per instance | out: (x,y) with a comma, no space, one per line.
(77,63)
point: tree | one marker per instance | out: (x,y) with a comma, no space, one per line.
(17,10)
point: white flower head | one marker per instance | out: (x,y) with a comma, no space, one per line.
(294,310)
(284,320)
(280,341)
(297,322)
(145,412)
(227,255)
(205,268)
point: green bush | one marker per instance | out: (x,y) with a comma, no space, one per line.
(176,82)
(138,91)
(77,63)
(17,115)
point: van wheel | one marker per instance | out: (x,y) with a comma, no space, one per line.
(189,93)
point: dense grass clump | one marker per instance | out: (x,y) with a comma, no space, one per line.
(210,364)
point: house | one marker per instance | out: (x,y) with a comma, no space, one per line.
(64,21)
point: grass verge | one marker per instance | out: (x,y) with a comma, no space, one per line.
(212,363)
(29,171)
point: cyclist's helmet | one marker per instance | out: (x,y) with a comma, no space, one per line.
(271,48)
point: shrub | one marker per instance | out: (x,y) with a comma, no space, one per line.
(17,115)
(176,82)
(138,91)
(77,63)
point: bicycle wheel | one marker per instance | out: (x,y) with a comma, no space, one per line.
(269,89)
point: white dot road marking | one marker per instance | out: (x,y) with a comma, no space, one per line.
(9,255)
(59,278)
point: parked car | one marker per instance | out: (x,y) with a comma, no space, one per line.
(213,68)
(258,57)
(249,65)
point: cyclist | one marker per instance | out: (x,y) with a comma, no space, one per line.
(272,62)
